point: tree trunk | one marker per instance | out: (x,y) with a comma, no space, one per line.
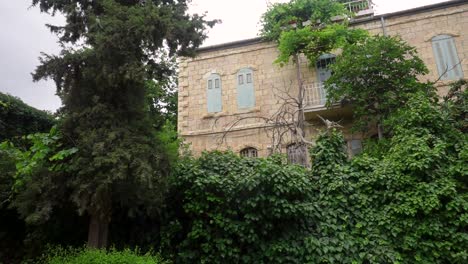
(98,232)
(304,160)
(300,97)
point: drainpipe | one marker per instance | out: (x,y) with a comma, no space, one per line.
(384,29)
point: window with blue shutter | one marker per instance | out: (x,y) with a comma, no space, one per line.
(446,57)
(245,89)
(213,94)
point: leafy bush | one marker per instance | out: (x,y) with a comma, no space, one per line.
(18,119)
(239,210)
(405,203)
(93,256)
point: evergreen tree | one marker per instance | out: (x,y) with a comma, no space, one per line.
(111,49)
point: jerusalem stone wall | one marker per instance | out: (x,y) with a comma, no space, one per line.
(205,131)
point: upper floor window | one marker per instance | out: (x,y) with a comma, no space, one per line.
(213,93)
(446,57)
(245,88)
(323,74)
(249,153)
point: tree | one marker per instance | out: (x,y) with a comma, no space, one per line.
(18,119)
(111,50)
(377,76)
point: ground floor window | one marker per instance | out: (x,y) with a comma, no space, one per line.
(249,153)
(297,154)
(355,147)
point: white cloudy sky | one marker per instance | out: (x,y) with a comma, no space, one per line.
(24,36)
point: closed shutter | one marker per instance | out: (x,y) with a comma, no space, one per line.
(245,89)
(446,57)
(213,94)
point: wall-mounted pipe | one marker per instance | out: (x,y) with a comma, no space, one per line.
(384,28)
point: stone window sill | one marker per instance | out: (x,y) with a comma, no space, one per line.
(239,112)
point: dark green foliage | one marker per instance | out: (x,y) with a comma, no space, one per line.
(234,210)
(93,256)
(112,84)
(377,76)
(456,103)
(405,203)
(422,203)
(18,118)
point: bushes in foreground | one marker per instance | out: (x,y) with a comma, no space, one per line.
(405,204)
(93,256)
(235,210)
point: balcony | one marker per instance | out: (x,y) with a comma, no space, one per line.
(315,95)
(315,99)
(359,7)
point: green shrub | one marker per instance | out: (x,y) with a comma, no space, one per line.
(239,210)
(92,256)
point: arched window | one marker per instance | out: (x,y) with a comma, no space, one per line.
(297,154)
(245,89)
(446,57)
(213,93)
(249,153)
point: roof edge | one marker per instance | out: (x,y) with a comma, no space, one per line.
(411,11)
(232,44)
(256,40)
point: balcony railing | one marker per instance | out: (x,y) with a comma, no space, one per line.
(357,5)
(315,95)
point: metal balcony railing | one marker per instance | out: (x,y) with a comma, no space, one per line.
(358,6)
(315,95)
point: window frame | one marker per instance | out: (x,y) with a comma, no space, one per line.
(214,98)
(293,158)
(446,57)
(245,88)
(249,152)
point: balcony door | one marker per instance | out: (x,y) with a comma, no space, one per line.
(324,73)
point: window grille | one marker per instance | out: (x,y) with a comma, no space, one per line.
(249,153)
(297,154)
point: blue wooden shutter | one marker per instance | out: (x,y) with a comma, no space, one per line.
(245,89)
(446,57)
(213,94)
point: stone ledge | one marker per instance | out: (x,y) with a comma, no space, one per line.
(239,112)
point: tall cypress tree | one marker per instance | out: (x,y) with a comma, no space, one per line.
(110,50)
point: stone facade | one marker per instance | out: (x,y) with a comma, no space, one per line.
(206,131)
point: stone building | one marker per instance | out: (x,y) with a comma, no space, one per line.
(227,85)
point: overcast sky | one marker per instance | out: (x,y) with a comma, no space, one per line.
(24,36)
